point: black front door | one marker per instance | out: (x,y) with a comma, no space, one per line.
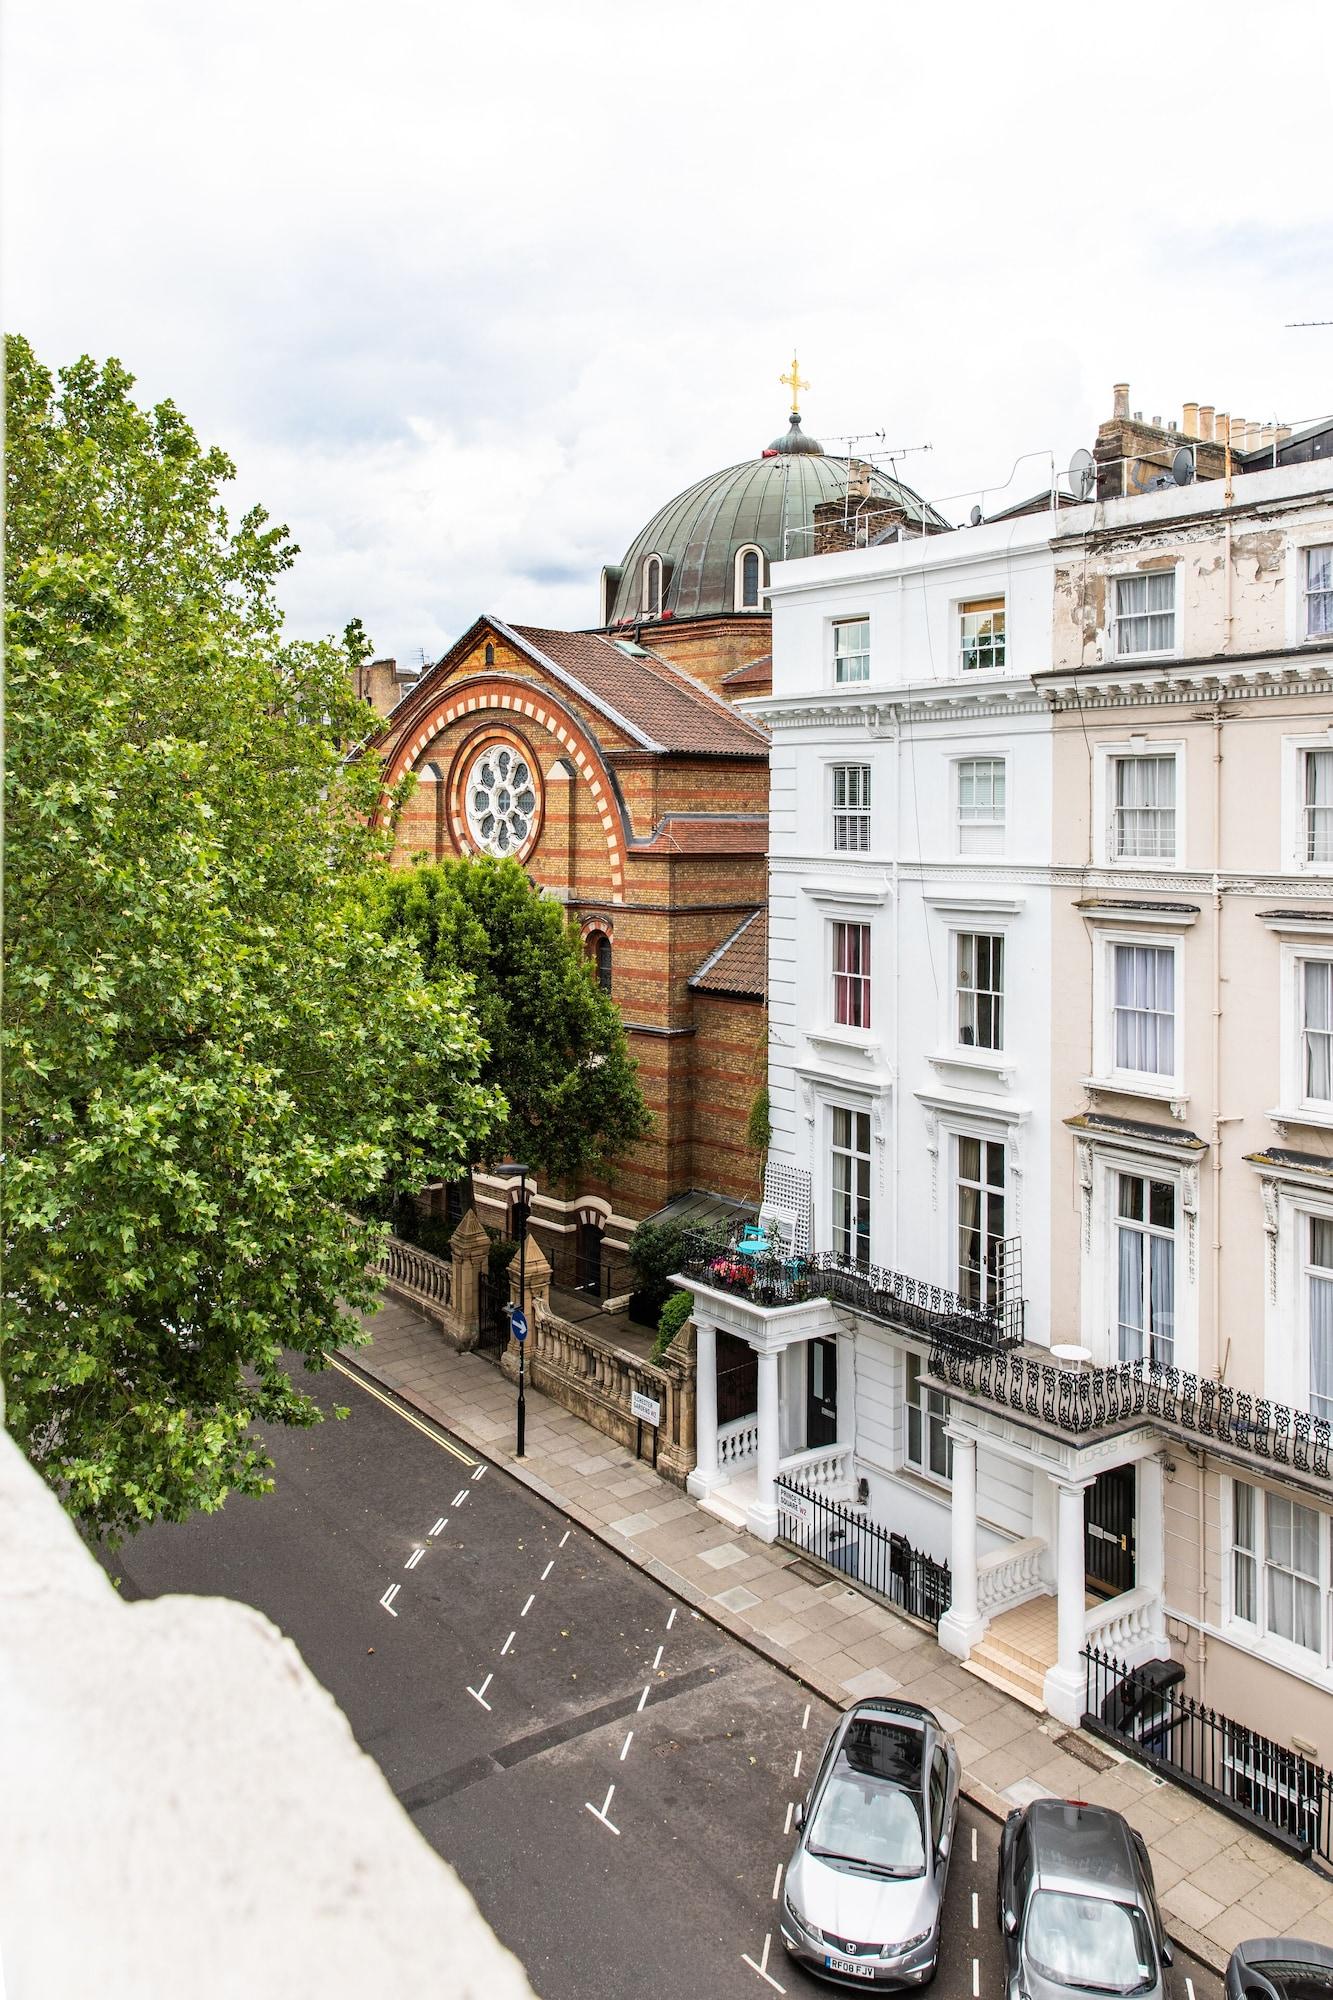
(821,1403)
(588,1257)
(1108,1532)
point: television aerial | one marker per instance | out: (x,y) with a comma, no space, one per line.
(1082,472)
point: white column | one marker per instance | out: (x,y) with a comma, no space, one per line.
(1066,1682)
(705,1474)
(763,1515)
(1150,1553)
(847,1391)
(962,1624)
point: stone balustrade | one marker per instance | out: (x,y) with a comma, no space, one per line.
(826,1469)
(589,1375)
(1130,1626)
(416,1273)
(1010,1576)
(737,1442)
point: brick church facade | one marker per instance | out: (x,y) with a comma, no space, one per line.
(613,766)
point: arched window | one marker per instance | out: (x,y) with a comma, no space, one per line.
(749,583)
(599,951)
(652,587)
(490,654)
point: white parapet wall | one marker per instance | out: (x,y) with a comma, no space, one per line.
(184,1809)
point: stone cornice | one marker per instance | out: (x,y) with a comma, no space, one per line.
(1057,875)
(883,713)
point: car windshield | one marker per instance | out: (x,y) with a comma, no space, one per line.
(860,1818)
(1296,1979)
(1089,1943)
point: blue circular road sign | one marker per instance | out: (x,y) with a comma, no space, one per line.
(518,1323)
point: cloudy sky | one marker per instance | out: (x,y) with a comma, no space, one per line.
(468,291)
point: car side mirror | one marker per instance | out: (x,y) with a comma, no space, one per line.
(798,1818)
(1010,1922)
(943,1849)
(1168,1955)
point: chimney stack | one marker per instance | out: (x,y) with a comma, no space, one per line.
(1121,404)
(1206,421)
(1238,430)
(1190,425)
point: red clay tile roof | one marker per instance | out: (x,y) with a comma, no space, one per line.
(668,708)
(740,963)
(756,673)
(706,833)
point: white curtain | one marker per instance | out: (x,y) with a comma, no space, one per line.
(1145,817)
(1293,1564)
(1319,805)
(1318,1030)
(1321,1321)
(1131,1294)
(1145,1020)
(1162,1298)
(1319,593)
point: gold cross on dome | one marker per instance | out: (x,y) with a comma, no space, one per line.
(795,384)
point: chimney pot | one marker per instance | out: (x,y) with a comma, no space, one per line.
(1221,427)
(1283,433)
(1238,429)
(1190,426)
(1206,421)
(1121,403)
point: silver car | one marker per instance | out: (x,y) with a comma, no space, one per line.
(863,1891)
(1077,1907)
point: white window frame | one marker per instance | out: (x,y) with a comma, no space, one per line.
(648,607)
(931,1408)
(1105,1076)
(1108,1158)
(1303,555)
(1256,1634)
(984,1138)
(854,1111)
(1290,1200)
(865,977)
(837,625)
(1108,755)
(1307,1269)
(860,814)
(976,1051)
(1294,1106)
(1294,842)
(995,603)
(1149,1231)
(984,853)
(738,579)
(1114,580)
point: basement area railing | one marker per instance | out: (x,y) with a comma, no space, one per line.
(867,1553)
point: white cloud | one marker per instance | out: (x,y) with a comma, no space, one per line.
(469,292)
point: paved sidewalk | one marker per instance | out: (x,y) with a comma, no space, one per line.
(1217,1882)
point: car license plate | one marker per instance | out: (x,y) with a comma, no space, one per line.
(853,1968)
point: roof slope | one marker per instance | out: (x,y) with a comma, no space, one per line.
(668,707)
(740,963)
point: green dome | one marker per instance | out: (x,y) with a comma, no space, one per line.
(766,503)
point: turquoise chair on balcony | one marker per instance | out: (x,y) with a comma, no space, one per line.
(752,1241)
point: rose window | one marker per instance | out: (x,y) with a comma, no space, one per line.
(500,800)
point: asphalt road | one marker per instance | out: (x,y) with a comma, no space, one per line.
(610,1774)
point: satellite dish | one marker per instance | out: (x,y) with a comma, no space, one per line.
(1082,472)
(975,517)
(1182,466)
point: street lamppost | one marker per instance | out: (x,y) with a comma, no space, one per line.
(518,1317)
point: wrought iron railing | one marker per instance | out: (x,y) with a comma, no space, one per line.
(1093,1399)
(769,1278)
(1237,1769)
(865,1551)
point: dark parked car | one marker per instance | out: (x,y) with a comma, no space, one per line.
(863,1891)
(1280,1969)
(1076,1905)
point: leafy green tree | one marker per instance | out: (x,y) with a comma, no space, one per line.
(211,1055)
(654,1253)
(557,1043)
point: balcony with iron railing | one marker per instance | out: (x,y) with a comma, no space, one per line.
(769,1278)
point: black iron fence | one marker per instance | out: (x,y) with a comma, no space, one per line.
(871,1555)
(770,1278)
(1094,1398)
(1256,1780)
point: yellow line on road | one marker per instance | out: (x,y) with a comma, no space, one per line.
(426,1430)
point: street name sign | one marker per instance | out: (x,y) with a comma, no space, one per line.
(645,1408)
(796,1506)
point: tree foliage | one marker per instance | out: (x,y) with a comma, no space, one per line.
(557,1043)
(211,1054)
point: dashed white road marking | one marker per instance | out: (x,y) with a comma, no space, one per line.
(414,1559)
(528,1606)
(805,1719)
(1189,1986)
(975,1913)
(606,1807)
(777,1883)
(672,1619)
(480,1472)
(440,1525)
(479,1694)
(786,1824)
(460,1496)
(657,1659)
(547,1571)
(642,1699)
(388,1597)
(974,1843)
(976,1979)
(563,1539)
(624,1748)
(761,1966)
(797,1770)
(507,1644)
